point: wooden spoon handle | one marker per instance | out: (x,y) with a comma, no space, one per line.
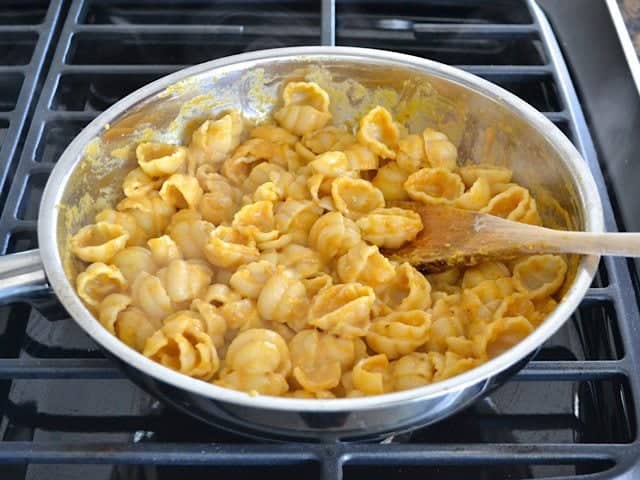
(588,243)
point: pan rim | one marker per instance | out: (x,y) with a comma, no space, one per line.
(49,211)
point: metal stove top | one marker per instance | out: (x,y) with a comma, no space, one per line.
(66,412)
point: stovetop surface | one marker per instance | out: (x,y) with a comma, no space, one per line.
(66,412)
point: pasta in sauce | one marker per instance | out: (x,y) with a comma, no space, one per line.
(251,258)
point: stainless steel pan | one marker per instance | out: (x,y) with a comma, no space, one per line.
(486,122)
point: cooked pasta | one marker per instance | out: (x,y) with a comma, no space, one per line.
(254,257)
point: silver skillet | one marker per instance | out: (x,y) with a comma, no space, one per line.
(486,122)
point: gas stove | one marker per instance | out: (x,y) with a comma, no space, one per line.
(66,412)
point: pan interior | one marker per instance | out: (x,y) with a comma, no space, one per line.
(485,130)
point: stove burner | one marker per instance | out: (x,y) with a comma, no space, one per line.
(66,412)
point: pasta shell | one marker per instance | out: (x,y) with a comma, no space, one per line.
(492,173)
(274,134)
(434,186)
(411,371)
(390,227)
(296,217)
(540,275)
(515,204)
(379,133)
(160,159)
(333,235)
(151,212)
(138,184)
(390,181)
(328,139)
(133,260)
(354,197)
(98,281)
(99,242)
(227,248)
(150,295)
(372,375)
(185,280)
(411,154)
(365,264)
(476,197)
(343,310)
(181,191)
(284,299)
(163,250)
(440,152)
(182,345)
(258,351)
(409,290)
(249,279)
(399,333)
(214,140)
(137,236)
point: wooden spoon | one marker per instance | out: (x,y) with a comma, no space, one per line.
(452,236)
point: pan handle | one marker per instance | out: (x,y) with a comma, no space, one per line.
(22,276)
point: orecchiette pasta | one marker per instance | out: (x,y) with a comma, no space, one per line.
(137,183)
(283,298)
(379,132)
(492,173)
(258,361)
(365,264)
(137,236)
(540,275)
(434,186)
(254,258)
(343,310)
(372,375)
(151,212)
(182,345)
(163,250)
(333,235)
(99,242)
(319,358)
(189,233)
(439,151)
(409,290)
(214,140)
(131,325)
(98,281)
(160,159)
(306,108)
(515,204)
(411,371)
(228,248)
(185,280)
(390,181)
(399,333)
(133,260)
(390,227)
(355,197)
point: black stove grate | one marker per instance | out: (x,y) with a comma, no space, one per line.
(66,412)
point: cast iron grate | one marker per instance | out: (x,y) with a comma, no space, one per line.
(66,412)
(26,29)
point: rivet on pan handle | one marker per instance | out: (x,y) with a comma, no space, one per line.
(22,276)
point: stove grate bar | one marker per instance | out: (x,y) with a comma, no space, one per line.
(98,368)
(284,454)
(27,76)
